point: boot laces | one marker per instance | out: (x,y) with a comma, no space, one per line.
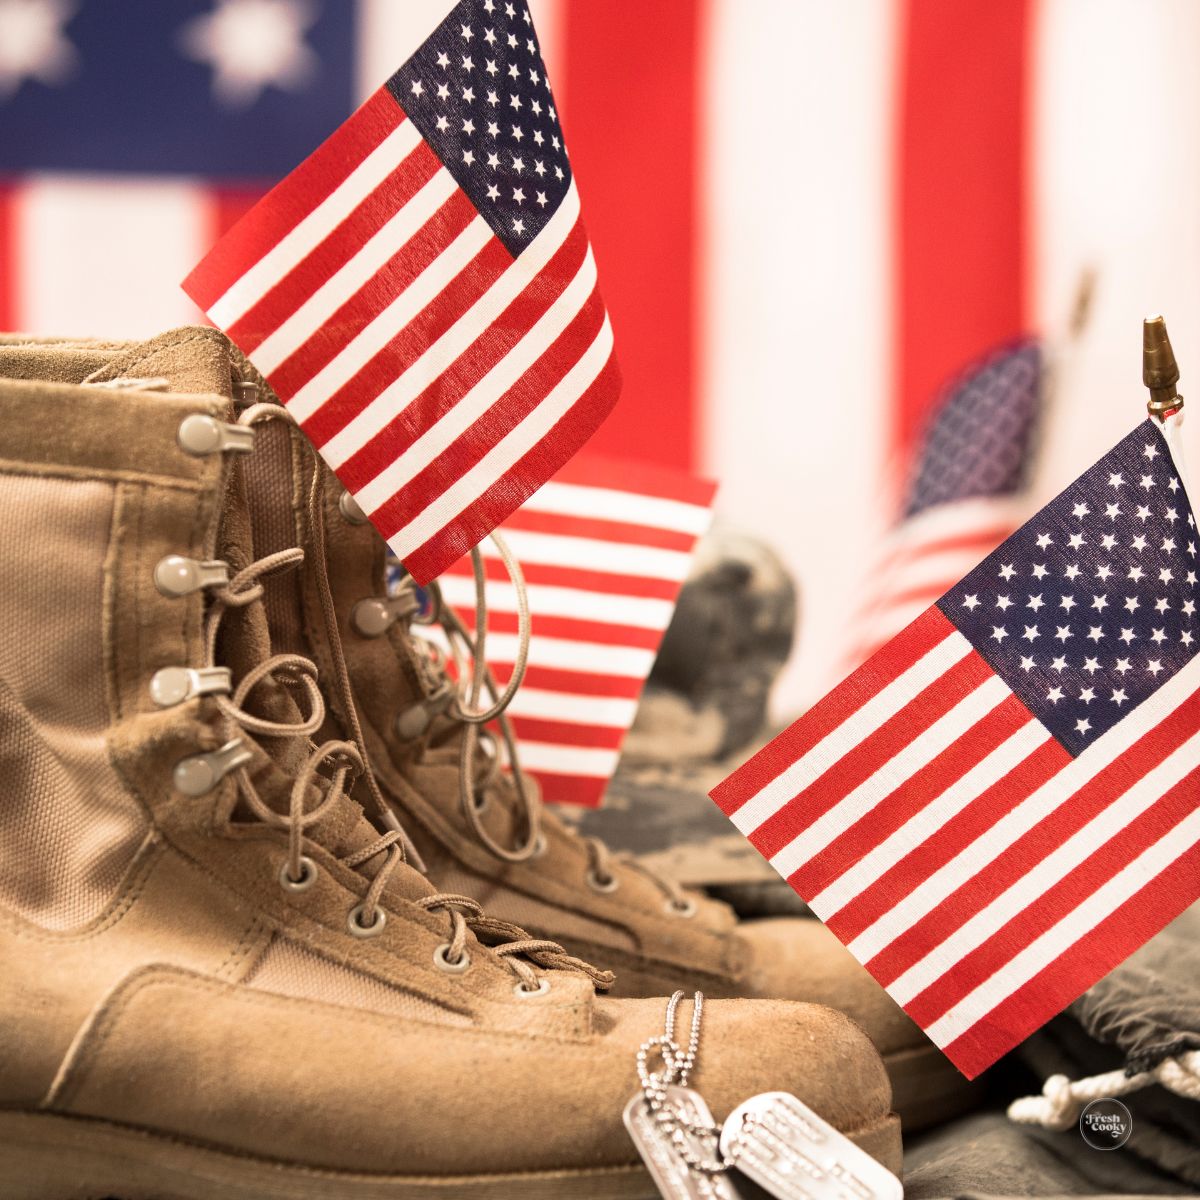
(508,942)
(461,705)
(343,758)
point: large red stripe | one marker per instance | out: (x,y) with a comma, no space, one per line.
(872,754)
(960,215)
(571,629)
(959,832)
(922,789)
(906,649)
(9,269)
(471,366)
(606,531)
(611,145)
(337,249)
(582,790)
(566,733)
(504,415)
(1053,905)
(1125,930)
(996,876)
(608,583)
(523,479)
(292,200)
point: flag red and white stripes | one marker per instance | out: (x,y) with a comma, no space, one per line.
(983,875)
(445,355)
(989,828)
(604,547)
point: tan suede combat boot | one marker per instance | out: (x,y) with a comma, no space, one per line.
(220,981)
(495,842)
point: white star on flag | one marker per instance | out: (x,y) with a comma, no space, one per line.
(252,45)
(33,44)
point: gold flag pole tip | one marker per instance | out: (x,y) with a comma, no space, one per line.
(1160,372)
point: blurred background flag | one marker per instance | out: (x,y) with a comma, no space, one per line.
(963,496)
(605,548)
(1001,805)
(779,248)
(421,295)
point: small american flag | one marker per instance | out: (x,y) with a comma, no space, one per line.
(604,547)
(1004,802)
(421,294)
(961,499)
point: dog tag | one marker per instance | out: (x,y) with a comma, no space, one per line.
(667,1166)
(786,1149)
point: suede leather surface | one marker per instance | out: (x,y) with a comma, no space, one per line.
(141,1017)
(305,1083)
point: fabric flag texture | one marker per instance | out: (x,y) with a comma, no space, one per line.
(1004,802)
(421,294)
(604,547)
(962,495)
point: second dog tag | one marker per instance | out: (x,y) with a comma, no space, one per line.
(784,1147)
(656,1142)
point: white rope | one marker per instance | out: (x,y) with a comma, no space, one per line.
(1061,1101)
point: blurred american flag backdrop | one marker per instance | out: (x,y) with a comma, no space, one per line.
(808,217)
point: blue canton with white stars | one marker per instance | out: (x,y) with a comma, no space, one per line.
(978,441)
(219,89)
(1091,607)
(477,90)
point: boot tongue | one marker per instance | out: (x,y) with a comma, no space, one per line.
(191,360)
(346,830)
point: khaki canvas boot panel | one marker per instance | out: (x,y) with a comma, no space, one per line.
(83,874)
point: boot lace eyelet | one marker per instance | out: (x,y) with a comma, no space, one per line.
(527,993)
(681,908)
(450,966)
(308,876)
(354,922)
(602,883)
